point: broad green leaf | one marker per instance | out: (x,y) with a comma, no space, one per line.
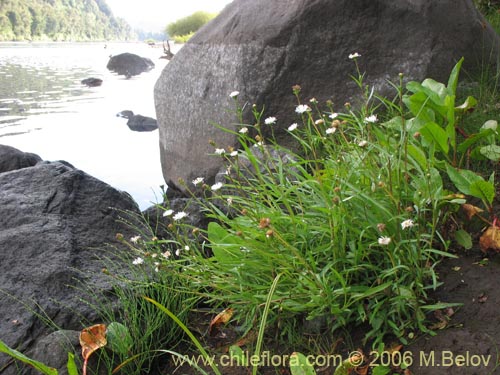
(490,125)
(119,339)
(21,357)
(483,190)
(436,91)
(475,138)
(299,365)
(418,105)
(464,239)
(418,155)
(433,133)
(414,125)
(225,246)
(491,152)
(462,179)
(453,80)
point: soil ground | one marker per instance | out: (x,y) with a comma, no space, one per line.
(467,342)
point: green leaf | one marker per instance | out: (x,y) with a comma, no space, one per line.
(237,354)
(119,339)
(490,125)
(71,365)
(299,365)
(469,103)
(483,190)
(492,152)
(418,155)
(381,370)
(462,179)
(464,239)
(436,91)
(225,246)
(475,138)
(453,80)
(346,366)
(433,133)
(21,357)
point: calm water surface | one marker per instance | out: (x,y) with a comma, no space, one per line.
(46,110)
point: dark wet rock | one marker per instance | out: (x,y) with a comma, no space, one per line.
(139,123)
(92,82)
(262,48)
(129,64)
(55,223)
(11,159)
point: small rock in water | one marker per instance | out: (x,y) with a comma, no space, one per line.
(92,82)
(138,123)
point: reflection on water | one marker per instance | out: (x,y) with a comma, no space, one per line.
(45,109)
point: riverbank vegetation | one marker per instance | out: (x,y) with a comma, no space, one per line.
(183,29)
(60,20)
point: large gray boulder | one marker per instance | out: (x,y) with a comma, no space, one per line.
(262,48)
(11,159)
(55,222)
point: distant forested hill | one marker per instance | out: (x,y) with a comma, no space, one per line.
(60,20)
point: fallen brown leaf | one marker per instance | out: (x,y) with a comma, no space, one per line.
(490,240)
(471,210)
(221,318)
(92,338)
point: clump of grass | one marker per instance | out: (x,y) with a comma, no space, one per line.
(150,270)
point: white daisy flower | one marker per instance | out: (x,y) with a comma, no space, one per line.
(244,130)
(301,108)
(168,213)
(216,186)
(135,239)
(384,240)
(331,130)
(362,143)
(372,119)
(198,180)
(333,116)
(180,215)
(220,151)
(407,224)
(138,261)
(354,55)
(234,94)
(292,127)
(270,120)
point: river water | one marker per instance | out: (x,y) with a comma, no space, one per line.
(45,109)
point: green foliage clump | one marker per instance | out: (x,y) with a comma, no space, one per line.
(352,221)
(58,20)
(187,26)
